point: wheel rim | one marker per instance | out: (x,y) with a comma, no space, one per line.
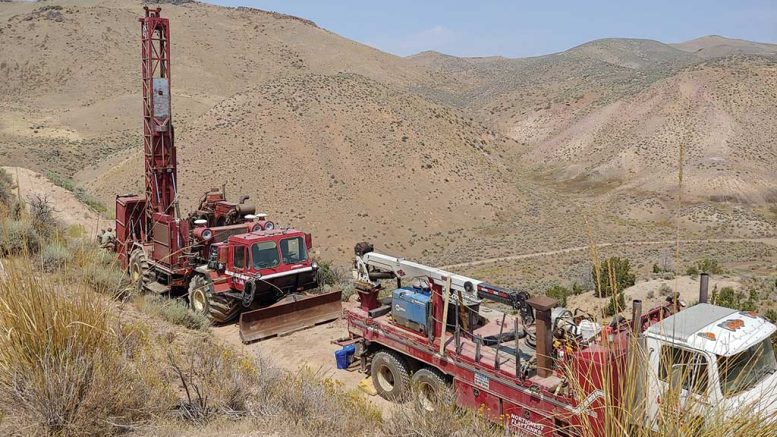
(386,379)
(136,273)
(426,396)
(198,301)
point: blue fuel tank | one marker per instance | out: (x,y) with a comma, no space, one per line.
(410,307)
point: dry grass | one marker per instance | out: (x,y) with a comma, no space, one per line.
(446,420)
(63,370)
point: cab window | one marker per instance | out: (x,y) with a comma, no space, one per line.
(293,250)
(679,366)
(264,254)
(240,257)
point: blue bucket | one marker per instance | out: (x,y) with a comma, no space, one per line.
(342,356)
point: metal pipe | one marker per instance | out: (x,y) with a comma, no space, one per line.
(636,316)
(516,351)
(499,341)
(477,349)
(444,321)
(704,287)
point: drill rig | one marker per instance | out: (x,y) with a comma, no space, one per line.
(223,255)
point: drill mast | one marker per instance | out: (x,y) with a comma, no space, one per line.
(158,137)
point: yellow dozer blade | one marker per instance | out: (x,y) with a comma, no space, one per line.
(292,313)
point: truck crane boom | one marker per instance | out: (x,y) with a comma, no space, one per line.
(370,266)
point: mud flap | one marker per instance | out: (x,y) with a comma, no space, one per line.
(293,313)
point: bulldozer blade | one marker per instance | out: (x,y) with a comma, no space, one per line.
(293,313)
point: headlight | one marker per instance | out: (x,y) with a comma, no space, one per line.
(203,234)
(269,226)
(256,228)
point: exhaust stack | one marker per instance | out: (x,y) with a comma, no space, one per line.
(704,286)
(636,316)
(542,306)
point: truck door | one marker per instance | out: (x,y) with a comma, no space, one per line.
(679,389)
(239,263)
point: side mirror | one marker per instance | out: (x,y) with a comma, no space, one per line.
(309,241)
(678,373)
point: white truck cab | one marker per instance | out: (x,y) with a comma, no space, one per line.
(718,360)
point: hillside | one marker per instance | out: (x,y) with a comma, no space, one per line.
(61,104)
(715,46)
(346,158)
(432,155)
(615,111)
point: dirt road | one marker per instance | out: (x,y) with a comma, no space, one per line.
(67,208)
(767,240)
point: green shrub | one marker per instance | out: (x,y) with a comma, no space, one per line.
(738,300)
(577,288)
(330,274)
(18,237)
(613,269)
(6,189)
(611,309)
(55,256)
(559,293)
(706,265)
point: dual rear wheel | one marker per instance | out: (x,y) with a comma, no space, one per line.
(390,373)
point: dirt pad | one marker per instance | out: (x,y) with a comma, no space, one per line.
(311,347)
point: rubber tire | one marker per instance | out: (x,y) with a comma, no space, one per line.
(427,385)
(390,376)
(216,307)
(139,270)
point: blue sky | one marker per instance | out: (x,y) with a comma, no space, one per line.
(525,28)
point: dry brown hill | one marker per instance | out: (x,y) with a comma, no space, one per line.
(345,157)
(614,111)
(721,111)
(437,156)
(69,75)
(715,46)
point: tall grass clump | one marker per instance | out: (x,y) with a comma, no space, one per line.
(172,310)
(62,368)
(443,419)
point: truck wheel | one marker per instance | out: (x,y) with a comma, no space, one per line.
(390,375)
(428,387)
(217,308)
(139,270)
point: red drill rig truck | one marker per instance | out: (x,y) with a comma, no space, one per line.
(550,371)
(223,256)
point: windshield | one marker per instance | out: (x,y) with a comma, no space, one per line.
(293,250)
(264,255)
(742,371)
